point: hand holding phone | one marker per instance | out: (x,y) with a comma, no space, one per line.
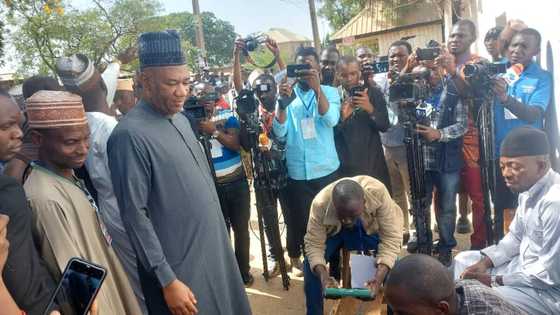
(77,289)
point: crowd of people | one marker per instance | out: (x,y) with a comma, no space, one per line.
(146,176)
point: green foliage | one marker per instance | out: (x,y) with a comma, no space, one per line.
(104,30)
(340,12)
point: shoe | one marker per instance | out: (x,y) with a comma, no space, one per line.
(464,225)
(412,245)
(445,258)
(248,280)
(296,263)
(275,271)
(405,238)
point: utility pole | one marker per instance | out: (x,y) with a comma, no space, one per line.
(199,30)
(313,14)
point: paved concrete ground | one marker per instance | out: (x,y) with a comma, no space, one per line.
(270,298)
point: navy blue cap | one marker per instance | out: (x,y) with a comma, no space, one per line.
(525,141)
(160,49)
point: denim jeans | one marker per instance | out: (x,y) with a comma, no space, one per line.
(350,239)
(447,187)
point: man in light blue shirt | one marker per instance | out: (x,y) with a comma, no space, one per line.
(306,117)
(520,103)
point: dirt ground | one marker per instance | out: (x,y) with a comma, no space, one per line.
(270,298)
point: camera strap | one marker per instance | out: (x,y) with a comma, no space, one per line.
(251,61)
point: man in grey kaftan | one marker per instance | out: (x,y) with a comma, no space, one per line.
(172,213)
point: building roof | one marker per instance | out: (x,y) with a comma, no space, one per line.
(281,36)
(377,17)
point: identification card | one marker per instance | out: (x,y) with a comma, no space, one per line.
(308,128)
(216,149)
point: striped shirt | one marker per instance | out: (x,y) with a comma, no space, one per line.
(227,162)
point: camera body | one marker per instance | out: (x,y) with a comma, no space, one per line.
(194,109)
(480,76)
(430,53)
(356,90)
(246,102)
(253,41)
(410,87)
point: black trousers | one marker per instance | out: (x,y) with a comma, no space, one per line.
(301,194)
(236,208)
(504,199)
(267,201)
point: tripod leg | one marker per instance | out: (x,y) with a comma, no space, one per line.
(262,239)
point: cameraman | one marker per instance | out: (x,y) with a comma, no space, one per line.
(329,59)
(363,116)
(239,47)
(443,157)
(231,183)
(392,139)
(306,116)
(523,102)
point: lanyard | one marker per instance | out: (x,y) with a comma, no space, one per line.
(78,183)
(308,106)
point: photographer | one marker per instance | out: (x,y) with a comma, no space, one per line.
(392,139)
(329,59)
(240,46)
(443,157)
(363,116)
(521,103)
(231,183)
(306,116)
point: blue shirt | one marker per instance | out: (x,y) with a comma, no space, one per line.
(533,88)
(316,157)
(227,162)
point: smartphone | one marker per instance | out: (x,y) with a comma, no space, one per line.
(427,53)
(355,90)
(292,70)
(78,287)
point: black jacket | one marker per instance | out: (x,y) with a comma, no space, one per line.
(358,143)
(25,274)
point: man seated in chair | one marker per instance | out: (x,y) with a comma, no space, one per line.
(355,214)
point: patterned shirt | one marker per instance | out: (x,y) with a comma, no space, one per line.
(454,131)
(478,299)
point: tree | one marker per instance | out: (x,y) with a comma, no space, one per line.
(340,12)
(43,33)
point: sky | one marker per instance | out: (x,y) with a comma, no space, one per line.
(247,16)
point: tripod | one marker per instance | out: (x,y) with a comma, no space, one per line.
(420,211)
(266,202)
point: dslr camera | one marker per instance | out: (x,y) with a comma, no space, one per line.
(253,41)
(429,53)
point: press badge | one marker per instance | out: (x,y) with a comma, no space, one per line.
(308,128)
(216,149)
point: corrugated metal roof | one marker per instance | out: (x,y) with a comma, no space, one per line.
(281,35)
(380,16)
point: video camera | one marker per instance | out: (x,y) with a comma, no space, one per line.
(410,87)
(194,107)
(480,76)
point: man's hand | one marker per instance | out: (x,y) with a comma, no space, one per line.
(481,266)
(429,133)
(346,109)
(312,78)
(374,284)
(326,280)
(484,278)
(128,55)
(447,62)
(238,46)
(287,94)
(411,62)
(500,89)
(362,101)
(272,46)
(207,126)
(4,243)
(179,298)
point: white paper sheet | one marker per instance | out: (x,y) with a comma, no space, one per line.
(363,269)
